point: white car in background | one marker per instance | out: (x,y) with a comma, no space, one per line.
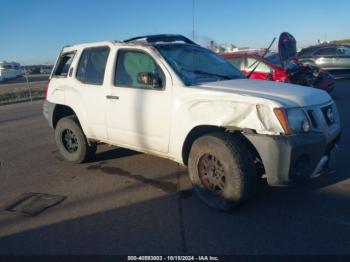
(9,70)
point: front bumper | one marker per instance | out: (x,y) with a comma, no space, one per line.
(48,109)
(294,158)
(327,85)
(325,81)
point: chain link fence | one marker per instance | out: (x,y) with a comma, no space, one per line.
(24,88)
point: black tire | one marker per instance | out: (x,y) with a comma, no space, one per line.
(77,150)
(237,161)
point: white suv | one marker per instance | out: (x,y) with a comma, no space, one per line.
(166,95)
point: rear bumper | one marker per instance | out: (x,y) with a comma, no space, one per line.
(294,158)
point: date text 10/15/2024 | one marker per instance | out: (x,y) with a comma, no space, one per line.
(173,258)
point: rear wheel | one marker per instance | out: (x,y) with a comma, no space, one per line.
(222,170)
(71,141)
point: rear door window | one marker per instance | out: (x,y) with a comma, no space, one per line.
(63,64)
(329,51)
(92,65)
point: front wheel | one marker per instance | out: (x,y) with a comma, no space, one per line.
(71,141)
(222,170)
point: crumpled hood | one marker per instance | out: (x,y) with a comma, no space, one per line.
(288,95)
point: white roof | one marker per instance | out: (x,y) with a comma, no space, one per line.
(105,43)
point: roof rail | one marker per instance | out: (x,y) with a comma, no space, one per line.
(162,38)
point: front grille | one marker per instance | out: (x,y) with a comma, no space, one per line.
(323,118)
(312,118)
(328,114)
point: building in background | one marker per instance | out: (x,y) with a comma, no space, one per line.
(224,48)
(215,47)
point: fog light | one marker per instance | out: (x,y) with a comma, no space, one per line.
(306,126)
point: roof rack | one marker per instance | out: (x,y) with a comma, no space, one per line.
(162,38)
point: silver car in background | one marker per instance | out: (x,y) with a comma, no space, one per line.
(329,57)
(46,69)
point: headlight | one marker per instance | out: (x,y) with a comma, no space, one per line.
(293,120)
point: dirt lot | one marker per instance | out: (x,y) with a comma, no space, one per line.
(130,203)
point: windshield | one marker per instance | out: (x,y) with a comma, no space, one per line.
(196,65)
(274,59)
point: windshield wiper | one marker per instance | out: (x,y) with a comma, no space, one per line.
(208,73)
(259,61)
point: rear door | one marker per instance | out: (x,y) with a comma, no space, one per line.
(89,90)
(342,60)
(325,57)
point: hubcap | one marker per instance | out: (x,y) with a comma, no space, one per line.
(69,140)
(211,173)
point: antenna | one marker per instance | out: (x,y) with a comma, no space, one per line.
(193,6)
(193,31)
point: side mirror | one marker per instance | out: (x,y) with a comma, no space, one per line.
(149,79)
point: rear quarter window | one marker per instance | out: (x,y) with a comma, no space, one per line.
(343,51)
(63,64)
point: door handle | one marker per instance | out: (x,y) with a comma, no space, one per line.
(112,97)
(70,72)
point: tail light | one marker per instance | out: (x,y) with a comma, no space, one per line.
(46,88)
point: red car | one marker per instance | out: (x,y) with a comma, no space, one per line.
(282,66)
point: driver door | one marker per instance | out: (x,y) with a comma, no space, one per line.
(138,115)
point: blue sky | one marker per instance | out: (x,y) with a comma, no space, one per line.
(33,31)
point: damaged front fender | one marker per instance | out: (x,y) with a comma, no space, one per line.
(236,115)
